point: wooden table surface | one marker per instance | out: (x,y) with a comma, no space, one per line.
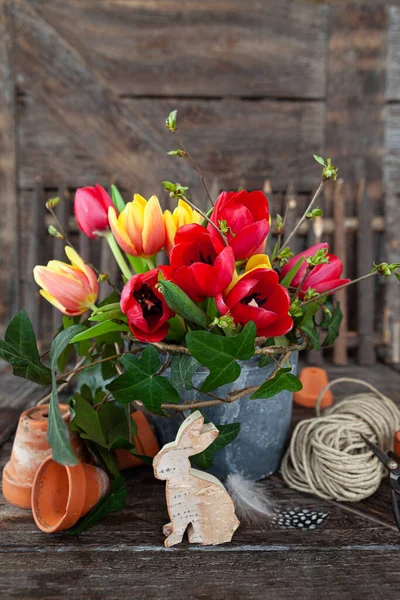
(354,554)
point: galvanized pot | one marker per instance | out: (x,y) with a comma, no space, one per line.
(265,424)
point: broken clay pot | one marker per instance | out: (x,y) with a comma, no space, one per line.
(145,443)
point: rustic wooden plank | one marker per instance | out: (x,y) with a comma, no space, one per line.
(62,212)
(356,93)
(230,139)
(10,275)
(393,55)
(339,248)
(35,256)
(366,289)
(392,297)
(48,66)
(148,47)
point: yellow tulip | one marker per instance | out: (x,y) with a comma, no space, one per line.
(182,215)
(257,261)
(72,289)
(139,229)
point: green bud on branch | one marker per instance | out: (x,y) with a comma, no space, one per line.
(224,228)
(284,255)
(319,258)
(52,203)
(103,277)
(313,214)
(178,153)
(329,171)
(387,270)
(295,309)
(170,122)
(55,233)
(279,224)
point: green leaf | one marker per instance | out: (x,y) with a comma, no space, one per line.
(182,305)
(219,354)
(114,501)
(319,159)
(87,420)
(313,336)
(108,369)
(283,380)
(140,381)
(287,280)
(333,325)
(183,367)
(19,349)
(58,433)
(211,309)
(117,198)
(139,264)
(100,329)
(227,433)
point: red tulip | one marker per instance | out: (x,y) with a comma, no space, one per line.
(258,296)
(246,217)
(322,278)
(91,209)
(199,264)
(145,307)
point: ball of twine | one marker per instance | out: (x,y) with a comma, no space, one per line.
(327,455)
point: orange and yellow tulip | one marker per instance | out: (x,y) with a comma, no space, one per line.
(182,215)
(139,229)
(72,289)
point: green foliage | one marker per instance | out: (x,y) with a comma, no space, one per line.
(319,159)
(329,171)
(170,121)
(108,312)
(219,354)
(141,382)
(58,434)
(332,324)
(183,367)
(319,258)
(99,330)
(284,256)
(314,213)
(179,153)
(19,349)
(287,280)
(117,198)
(312,333)
(283,380)
(182,305)
(227,433)
(114,501)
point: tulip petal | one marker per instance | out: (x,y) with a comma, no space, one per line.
(280,326)
(248,240)
(91,284)
(119,232)
(59,306)
(153,234)
(295,259)
(258,260)
(170,230)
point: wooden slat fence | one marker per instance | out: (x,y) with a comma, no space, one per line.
(85,88)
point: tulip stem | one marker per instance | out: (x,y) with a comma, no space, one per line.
(303,218)
(150,262)
(118,255)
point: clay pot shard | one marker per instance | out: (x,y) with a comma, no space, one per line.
(145,443)
(61,495)
(196,501)
(30,449)
(314,380)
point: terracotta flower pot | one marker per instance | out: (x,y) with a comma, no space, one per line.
(314,380)
(396,443)
(30,449)
(61,495)
(145,442)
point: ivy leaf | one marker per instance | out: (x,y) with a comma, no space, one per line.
(99,329)
(313,336)
(58,433)
(227,433)
(19,349)
(183,367)
(114,501)
(333,325)
(140,381)
(87,420)
(283,380)
(219,354)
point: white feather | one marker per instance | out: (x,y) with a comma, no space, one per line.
(252,503)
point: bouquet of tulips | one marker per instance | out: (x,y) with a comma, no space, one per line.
(197,289)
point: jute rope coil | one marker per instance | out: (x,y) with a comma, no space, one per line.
(327,455)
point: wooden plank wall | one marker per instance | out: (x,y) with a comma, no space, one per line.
(258,89)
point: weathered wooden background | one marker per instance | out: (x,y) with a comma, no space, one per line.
(259,86)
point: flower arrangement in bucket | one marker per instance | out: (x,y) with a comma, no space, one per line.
(214,325)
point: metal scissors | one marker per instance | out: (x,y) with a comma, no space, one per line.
(392,463)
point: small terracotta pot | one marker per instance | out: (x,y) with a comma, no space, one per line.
(61,495)
(145,442)
(314,380)
(396,443)
(30,449)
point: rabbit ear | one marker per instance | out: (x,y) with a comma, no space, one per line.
(207,435)
(188,434)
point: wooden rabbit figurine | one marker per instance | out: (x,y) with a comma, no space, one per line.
(196,500)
